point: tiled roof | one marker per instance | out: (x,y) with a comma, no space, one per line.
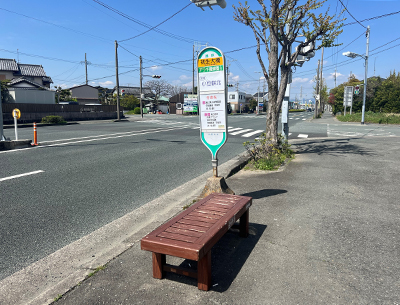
(8,64)
(21,69)
(22,79)
(47,79)
(31,70)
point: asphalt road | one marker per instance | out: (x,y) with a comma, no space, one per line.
(86,175)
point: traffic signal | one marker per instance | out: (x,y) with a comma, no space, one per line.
(209,3)
(230,85)
(156,76)
(357,90)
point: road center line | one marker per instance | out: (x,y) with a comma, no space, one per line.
(21,175)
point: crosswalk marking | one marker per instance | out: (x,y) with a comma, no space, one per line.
(305,136)
(247,135)
(239,132)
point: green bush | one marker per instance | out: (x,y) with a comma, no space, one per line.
(371,117)
(136,110)
(53,119)
(297,110)
(266,155)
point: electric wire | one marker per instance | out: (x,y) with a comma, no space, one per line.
(351,14)
(165,33)
(157,24)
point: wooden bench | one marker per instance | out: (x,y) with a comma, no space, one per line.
(192,233)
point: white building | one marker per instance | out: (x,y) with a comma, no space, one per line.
(237,98)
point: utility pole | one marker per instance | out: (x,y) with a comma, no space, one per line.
(321,80)
(86,69)
(141,79)
(301,94)
(117,79)
(193,72)
(317,95)
(335,77)
(2,138)
(365,78)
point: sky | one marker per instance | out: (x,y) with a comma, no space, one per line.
(57,34)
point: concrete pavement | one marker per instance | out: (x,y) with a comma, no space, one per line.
(323,230)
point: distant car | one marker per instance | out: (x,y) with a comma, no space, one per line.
(308,109)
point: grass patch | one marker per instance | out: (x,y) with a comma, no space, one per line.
(371,117)
(134,111)
(266,155)
(53,119)
(57,298)
(189,204)
(96,270)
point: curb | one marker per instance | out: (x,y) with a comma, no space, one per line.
(61,271)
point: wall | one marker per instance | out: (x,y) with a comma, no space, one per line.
(85,92)
(35,112)
(32,96)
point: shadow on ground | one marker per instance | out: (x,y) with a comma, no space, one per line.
(333,147)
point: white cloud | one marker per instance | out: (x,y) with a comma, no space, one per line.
(184,77)
(106,83)
(64,86)
(188,85)
(154,68)
(236,78)
(332,75)
(300,80)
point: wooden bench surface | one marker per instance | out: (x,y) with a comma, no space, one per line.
(193,232)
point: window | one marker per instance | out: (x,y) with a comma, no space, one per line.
(232,96)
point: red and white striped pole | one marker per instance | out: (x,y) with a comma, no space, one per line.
(34,134)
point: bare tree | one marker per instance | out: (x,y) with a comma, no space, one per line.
(276,27)
(158,88)
(174,90)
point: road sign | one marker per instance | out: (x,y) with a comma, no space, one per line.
(348,96)
(212,99)
(16,113)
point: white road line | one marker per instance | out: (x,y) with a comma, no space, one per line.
(303,136)
(247,135)
(21,175)
(239,132)
(128,134)
(233,129)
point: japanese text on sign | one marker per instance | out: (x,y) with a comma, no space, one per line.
(216,61)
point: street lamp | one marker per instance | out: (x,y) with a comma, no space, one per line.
(258,92)
(141,80)
(354,55)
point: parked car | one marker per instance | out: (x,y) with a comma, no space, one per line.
(308,109)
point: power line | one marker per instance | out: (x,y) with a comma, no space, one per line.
(372,18)
(171,35)
(351,14)
(157,24)
(60,26)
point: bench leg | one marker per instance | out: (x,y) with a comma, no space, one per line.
(204,272)
(159,261)
(244,224)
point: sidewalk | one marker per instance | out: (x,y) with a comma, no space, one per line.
(324,230)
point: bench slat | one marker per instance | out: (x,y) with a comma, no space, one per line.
(204,215)
(201,219)
(189,226)
(212,207)
(192,233)
(195,223)
(205,211)
(180,237)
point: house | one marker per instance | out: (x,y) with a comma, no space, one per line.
(237,101)
(10,70)
(28,83)
(176,102)
(85,94)
(261,97)
(135,91)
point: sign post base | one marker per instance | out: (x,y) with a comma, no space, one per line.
(216,185)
